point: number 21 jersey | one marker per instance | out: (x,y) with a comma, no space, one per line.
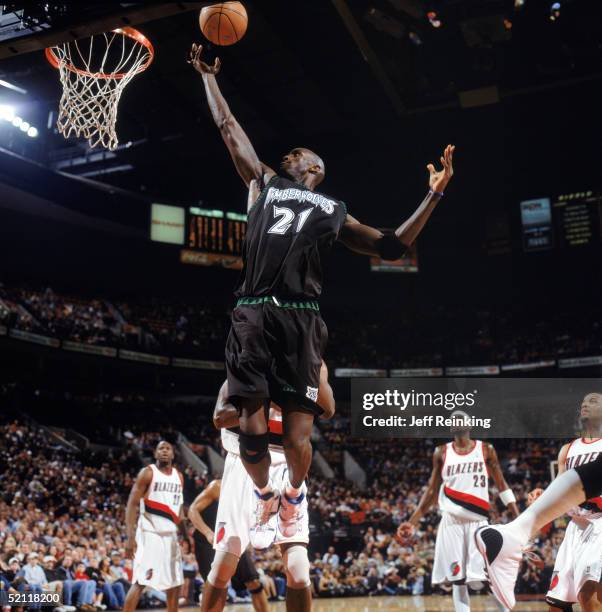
(290,229)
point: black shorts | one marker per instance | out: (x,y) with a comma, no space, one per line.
(275,352)
(205,553)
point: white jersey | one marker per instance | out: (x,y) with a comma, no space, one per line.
(581,452)
(464,491)
(160,507)
(230,438)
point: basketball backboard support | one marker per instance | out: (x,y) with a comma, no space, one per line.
(34,26)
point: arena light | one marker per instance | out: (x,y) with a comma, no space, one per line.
(434,19)
(12,87)
(554,11)
(518,4)
(7,113)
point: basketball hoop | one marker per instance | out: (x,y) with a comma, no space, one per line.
(94,73)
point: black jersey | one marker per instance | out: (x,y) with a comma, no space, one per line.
(209,514)
(290,228)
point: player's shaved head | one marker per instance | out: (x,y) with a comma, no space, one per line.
(462,427)
(318,161)
(304,166)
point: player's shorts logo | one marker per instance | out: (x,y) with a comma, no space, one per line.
(220,533)
(312,393)
(454,568)
(149,573)
(555,580)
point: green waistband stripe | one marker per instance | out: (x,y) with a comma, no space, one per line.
(252,301)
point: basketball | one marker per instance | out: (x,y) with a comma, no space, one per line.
(224,23)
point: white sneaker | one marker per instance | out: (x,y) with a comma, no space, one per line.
(502,552)
(262,534)
(265,506)
(291,513)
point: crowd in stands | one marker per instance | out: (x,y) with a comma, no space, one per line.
(63,512)
(439,336)
(447,336)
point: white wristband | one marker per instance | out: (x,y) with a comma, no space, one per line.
(507,497)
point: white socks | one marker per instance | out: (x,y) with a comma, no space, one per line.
(564,493)
(265,489)
(292,492)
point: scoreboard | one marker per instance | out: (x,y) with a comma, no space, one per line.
(578,218)
(214,237)
(568,220)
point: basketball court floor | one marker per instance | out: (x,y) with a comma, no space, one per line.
(432,603)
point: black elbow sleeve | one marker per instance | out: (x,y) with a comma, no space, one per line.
(390,248)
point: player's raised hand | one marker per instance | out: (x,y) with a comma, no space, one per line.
(405,531)
(438,179)
(533,495)
(194,58)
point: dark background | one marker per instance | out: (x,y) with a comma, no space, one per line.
(298,79)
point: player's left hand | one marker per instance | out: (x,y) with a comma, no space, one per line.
(438,179)
(194,58)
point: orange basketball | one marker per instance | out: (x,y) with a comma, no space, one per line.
(224,23)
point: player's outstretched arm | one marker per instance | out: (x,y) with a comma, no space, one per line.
(370,241)
(203,500)
(505,492)
(241,150)
(225,413)
(428,498)
(138,491)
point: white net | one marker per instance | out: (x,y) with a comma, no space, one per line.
(94,73)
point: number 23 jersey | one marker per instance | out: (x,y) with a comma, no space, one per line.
(290,228)
(464,491)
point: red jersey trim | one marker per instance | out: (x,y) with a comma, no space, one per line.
(154,507)
(470,502)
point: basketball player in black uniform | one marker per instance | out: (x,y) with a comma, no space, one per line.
(277,337)
(202,514)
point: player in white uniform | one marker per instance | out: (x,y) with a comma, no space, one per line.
(578,568)
(502,546)
(153,543)
(235,513)
(460,482)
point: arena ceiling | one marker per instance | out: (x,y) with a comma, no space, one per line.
(312,73)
